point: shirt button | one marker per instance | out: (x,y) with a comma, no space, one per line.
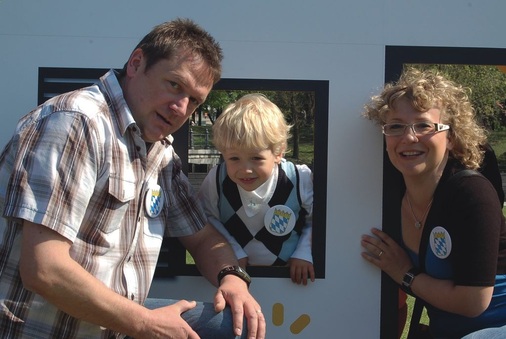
(138,148)
(132,296)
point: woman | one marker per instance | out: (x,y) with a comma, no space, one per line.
(453,249)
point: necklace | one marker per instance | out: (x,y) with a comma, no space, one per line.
(418,223)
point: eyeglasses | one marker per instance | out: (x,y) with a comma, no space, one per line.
(419,128)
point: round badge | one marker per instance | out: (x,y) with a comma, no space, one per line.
(440,242)
(154,201)
(279,220)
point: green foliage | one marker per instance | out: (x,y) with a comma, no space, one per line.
(487,87)
(487,93)
(423,320)
(497,140)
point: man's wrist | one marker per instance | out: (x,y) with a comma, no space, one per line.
(234,270)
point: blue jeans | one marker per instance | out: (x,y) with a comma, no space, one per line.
(204,320)
(488,333)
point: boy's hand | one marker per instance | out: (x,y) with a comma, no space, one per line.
(301,270)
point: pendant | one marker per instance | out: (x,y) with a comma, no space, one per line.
(418,225)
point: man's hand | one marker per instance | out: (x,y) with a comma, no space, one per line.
(212,253)
(166,322)
(47,269)
(234,292)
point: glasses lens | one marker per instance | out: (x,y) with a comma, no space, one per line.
(420,128)
(394,129)
(424,128)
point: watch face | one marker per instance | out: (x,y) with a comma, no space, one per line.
(244,274)
(408,279)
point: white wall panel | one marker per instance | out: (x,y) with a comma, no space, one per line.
(339,41)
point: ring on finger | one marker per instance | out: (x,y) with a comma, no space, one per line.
(380,254)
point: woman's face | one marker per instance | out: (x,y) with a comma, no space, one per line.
(417,155)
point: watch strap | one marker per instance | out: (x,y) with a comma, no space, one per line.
(408,279)
(234,270)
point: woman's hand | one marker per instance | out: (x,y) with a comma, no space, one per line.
(385,253)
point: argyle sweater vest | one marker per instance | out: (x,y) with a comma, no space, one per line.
(286,193)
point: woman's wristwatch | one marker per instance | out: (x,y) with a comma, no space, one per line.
(237,271)
(408,279)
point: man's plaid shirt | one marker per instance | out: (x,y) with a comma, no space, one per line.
(78,165)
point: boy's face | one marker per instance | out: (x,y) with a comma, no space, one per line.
(250,168)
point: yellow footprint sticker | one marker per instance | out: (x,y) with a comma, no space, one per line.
(278,318)
(300,323)
(278,314)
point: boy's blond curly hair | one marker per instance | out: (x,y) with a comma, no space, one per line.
(253,122)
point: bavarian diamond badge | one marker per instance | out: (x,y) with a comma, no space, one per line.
(440,242)
(154,201)
(279,220)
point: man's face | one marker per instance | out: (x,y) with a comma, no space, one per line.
(162,98)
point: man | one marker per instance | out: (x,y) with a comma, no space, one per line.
(90,183)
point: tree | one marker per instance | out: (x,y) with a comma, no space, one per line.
(298,108)
(487,85)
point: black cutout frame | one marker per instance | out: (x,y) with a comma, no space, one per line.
(176,255)
(172,260)
(395,58)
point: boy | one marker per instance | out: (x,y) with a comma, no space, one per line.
(259,201)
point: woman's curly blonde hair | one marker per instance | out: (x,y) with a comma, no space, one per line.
(429,89)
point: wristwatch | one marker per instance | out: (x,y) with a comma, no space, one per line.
(235,270)
(408,279)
